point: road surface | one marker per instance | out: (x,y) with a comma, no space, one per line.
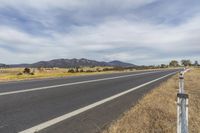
(82,104)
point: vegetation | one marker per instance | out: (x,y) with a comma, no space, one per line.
(174,63)
(163,66)
(7,74)
(40,72)
(156,112)
(186,62)
(71,71)
(27,71)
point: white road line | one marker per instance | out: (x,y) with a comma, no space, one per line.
(81,110)
(68,84)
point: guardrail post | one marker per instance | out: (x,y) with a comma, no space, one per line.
(182,107)
(178,116)
(182,113)
(181,82)
(187,104)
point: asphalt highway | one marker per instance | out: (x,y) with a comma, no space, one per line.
(79,104)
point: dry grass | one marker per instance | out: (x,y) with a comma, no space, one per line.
(8,74)
(192,87)
(156,112)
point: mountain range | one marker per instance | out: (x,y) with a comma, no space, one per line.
(67,63)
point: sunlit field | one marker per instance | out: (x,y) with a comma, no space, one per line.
(7,74)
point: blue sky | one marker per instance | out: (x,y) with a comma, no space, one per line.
(136,31)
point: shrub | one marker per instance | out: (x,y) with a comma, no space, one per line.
(27,70)
(88,71)
(98,70)
(106,69)
(71,71)
(32,73)
(19,73)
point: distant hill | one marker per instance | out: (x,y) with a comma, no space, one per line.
(121,64)
(67,63)
(62,63)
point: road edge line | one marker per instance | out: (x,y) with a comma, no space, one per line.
(73,83)
(81,110)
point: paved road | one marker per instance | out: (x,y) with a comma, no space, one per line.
(83,104)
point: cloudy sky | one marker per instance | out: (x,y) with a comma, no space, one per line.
(136,31)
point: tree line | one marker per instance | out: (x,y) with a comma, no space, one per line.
(175,63)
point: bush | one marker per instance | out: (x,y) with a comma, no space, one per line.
(19,73)
(71,71)
(98,70)
(118,69)
(32,73)
(27,70)
(89,71)
(106,69)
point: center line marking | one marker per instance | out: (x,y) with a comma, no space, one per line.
(68,84)
(81,110)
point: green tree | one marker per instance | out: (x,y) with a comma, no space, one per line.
(174,63)
(27,70)
(186,62)
(163,66)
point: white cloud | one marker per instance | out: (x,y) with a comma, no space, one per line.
(107,37)
(71,4)
(138,42)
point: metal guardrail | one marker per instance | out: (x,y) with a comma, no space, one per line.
(182,106)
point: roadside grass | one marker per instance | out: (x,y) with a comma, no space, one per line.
(192,87)
(8,74)
(156,111)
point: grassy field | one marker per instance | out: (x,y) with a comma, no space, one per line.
(8,74)
(156,112)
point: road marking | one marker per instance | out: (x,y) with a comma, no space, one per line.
(68,84)
(81,110)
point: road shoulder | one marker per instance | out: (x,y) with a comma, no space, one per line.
(156,111)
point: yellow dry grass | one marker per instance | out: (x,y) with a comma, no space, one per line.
(8,74)
(192,87)
(156,112)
